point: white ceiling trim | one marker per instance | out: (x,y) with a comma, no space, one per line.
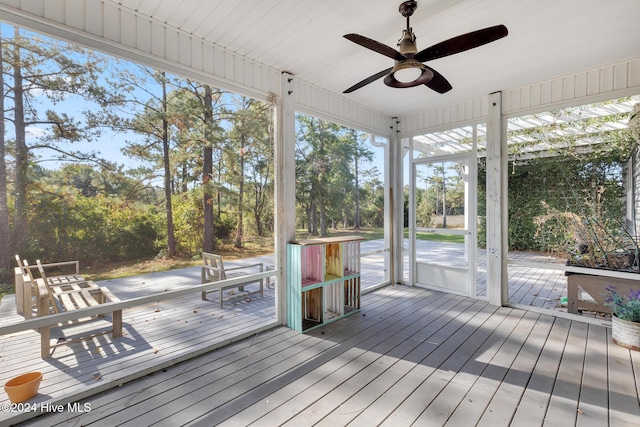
(110,29)
(586,87)
(137,31)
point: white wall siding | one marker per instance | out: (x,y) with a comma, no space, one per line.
(449,116)
(128,34)
(110,22)
(74,12)
(131,34)
(338,109)
(54,10)
(599,84)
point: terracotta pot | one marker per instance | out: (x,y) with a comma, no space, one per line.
(23,387)
(625,333)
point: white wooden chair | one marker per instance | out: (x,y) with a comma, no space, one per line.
(57,296)
(25,286)
(214,270)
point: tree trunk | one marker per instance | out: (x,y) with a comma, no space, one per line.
(218,193)
(5,240)
(21,227)
(323,218)
(238,241)
(257,212)
(323,184)
(313,217)
(444,199)
(356,221)
(207,173)
(171,238)
(185,177)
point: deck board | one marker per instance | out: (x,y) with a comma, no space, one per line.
(563,404)
(353,371)
(212,382)
(593,397)
(453,352)
(623,398)
(411,356)
(535,400)
(405,379)
(499,411)
(346,345)
(473,389)
(303,388)
(154,336)
(141,391)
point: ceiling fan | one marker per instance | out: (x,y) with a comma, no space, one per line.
(409,70)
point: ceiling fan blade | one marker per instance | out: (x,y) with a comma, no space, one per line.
(462,43)
(368,80)
(375,46)
(438,82)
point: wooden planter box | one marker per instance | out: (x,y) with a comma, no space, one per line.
(596,286)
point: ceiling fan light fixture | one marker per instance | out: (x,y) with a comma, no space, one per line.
(408,74)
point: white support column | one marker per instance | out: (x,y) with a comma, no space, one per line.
(285,189)
(396,194)
(412,213)
(497,212)
(387,202)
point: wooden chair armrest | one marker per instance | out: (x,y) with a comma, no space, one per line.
(41,288)
(108,294)
(42,298)
(261,265)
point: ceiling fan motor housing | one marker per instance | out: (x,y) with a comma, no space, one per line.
(407,44)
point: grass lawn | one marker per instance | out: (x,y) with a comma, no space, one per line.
(370,233)
(254,246)
(438,237)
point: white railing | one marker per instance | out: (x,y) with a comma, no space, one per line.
(54,319)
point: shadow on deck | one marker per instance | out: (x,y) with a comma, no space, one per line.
(157,336)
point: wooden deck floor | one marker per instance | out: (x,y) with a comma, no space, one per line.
(158,335)
(411,357)
(154,336)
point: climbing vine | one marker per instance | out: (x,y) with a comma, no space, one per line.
(566,190)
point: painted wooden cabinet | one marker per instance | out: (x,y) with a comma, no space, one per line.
(323,280)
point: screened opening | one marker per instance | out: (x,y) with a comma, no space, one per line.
(340,190)
(572,197)
(135,173)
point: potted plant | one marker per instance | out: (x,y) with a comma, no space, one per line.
(625,320)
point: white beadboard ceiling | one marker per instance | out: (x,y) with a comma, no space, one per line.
(547,38)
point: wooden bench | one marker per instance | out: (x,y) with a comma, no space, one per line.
(214,270)
(25,289)
(65,296)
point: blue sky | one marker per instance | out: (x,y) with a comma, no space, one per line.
(110,144)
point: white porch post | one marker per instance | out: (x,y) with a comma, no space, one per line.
(396,194)
(497,212)
(285,188)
